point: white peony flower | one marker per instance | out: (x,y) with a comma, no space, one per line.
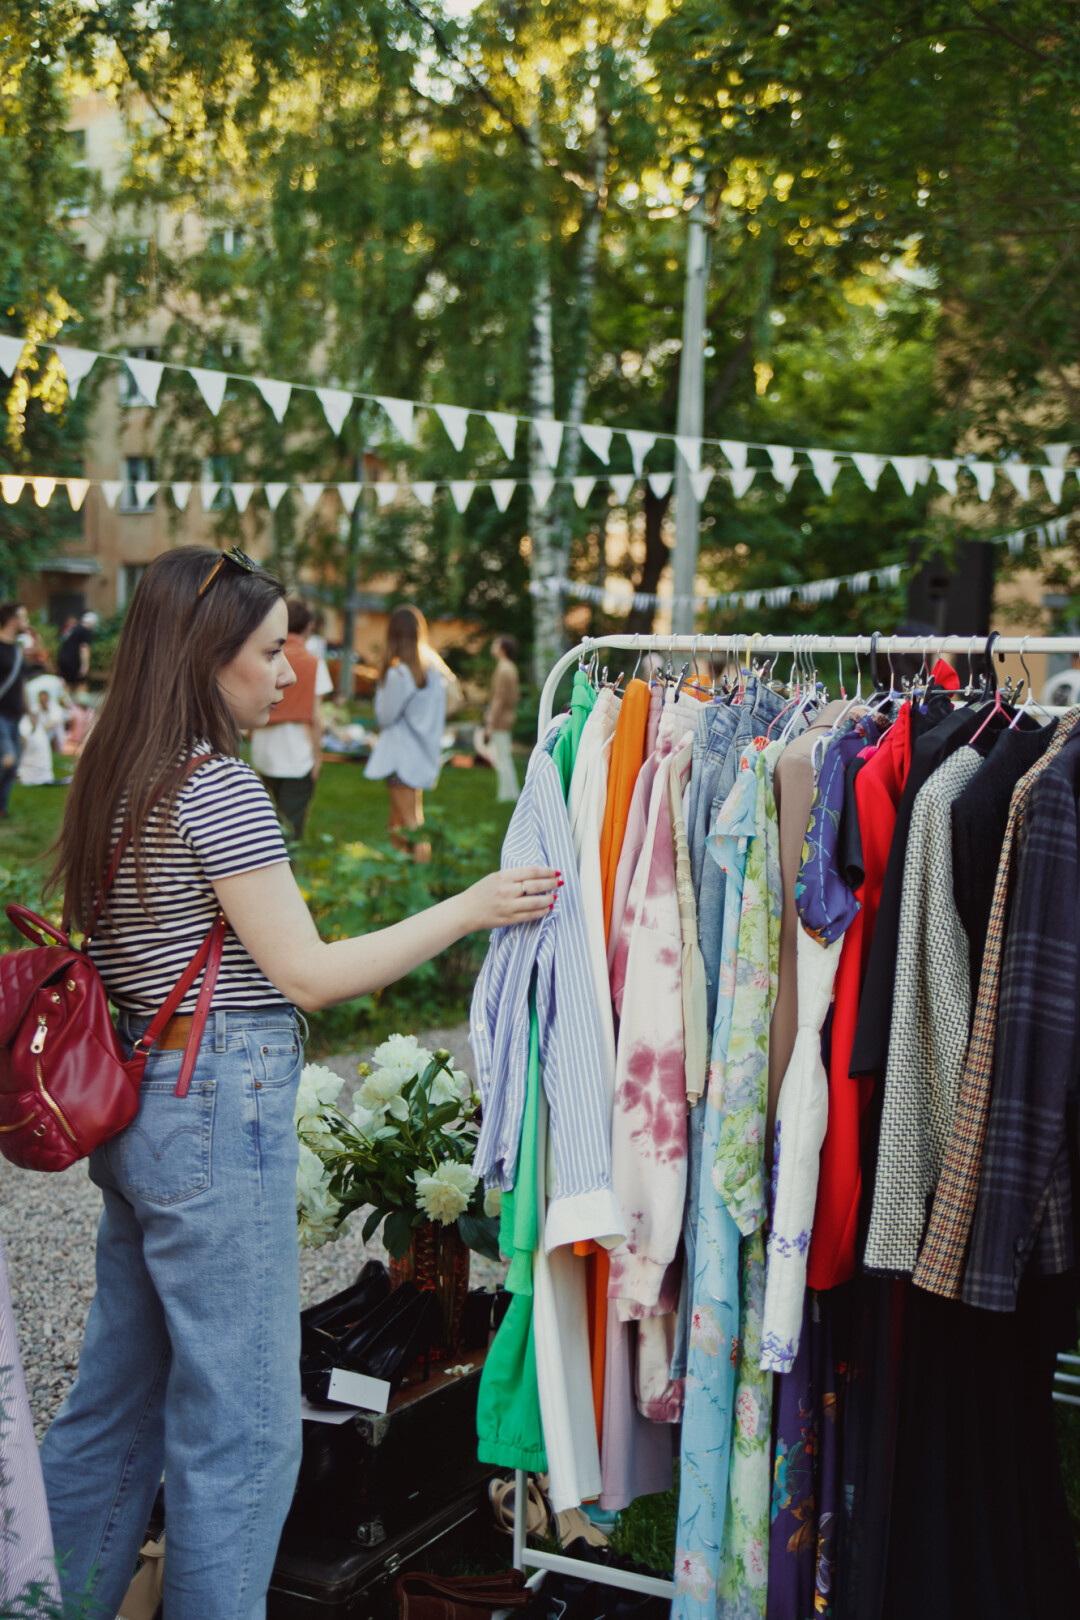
(318,1089)
(316,1208)
(381,1092)
(493,1201)
(403,1055)
(445,1193)
(366,1120)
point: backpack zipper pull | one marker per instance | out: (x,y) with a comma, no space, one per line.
(38,1042)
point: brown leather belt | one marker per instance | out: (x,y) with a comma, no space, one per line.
(174,1037)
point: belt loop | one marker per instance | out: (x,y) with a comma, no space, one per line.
(305,1033)
(221,1031)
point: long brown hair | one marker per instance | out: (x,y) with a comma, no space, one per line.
(407,643)
(162,700)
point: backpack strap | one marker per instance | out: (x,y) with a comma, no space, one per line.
(208,956)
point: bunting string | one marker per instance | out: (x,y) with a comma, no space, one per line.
(1046,536)
(824,465)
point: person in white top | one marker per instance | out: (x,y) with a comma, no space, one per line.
(410,710)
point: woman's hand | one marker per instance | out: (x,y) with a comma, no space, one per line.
(520,894)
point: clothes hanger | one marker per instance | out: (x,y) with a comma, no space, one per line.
(1029,702)
(997,707)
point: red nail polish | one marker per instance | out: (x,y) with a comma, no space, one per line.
(560,883)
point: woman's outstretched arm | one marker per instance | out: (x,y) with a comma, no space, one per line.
(270,917)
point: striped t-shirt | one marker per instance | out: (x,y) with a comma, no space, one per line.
(222,824)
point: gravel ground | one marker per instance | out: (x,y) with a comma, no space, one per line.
(48,1225)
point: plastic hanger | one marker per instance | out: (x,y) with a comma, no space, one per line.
(997,707)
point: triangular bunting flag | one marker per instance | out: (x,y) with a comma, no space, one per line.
(660,483)
(401,413)
(907,471)
(788,476)
(583,488)
(598,440)
(424,491)
(181,494)
(1019,477)
(43,490)
(76,363)
(461,492)
(336,404)
(504,427)
(145,490)
(825,468)
(147,375)
(241,494)
(922,469)
(350,494)
(550,435)
(455,419)
(541,489)
(1056,454)
(273,493)
(385,493)
(690,450)
(741,478)
(735,452)
(1054,479)
(983,474)
(211,385)
(640,445)
(77,488)
(871,467)
(311,494)
(11,349)
(208,494)
(11,487)
(946,474)
(782,457)
(503,491)
(276,394)
(110,488)
(700,481)
(621,485)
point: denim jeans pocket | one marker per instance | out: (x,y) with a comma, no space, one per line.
(275,1056)
(164,1154)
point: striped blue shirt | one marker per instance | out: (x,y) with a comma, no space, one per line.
(581,1204)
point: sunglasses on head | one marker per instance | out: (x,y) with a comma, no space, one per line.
(234,555)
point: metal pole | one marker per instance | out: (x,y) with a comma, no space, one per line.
(691,415)
(348,636)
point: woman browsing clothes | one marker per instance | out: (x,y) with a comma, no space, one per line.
(410,711)
(190,1361)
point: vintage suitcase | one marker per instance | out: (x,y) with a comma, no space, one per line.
(374,1477)
(323,1578)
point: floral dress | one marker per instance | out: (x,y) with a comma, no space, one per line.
(722,1538)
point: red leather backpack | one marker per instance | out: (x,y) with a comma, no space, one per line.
(65,1085)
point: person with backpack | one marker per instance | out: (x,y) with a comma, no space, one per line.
(14,620)
(190,1364)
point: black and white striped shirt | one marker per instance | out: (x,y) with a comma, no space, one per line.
(222,824)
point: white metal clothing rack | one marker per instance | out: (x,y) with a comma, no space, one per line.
(743,646)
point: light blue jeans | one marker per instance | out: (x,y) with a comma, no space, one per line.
(11,748)
(190,1363)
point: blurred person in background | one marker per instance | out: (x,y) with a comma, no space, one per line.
(410,711)
(287,753)
(500,716)
(14,620)
(73,658)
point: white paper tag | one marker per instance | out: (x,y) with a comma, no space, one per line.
(356,1389)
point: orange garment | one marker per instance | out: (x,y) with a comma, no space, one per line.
(297,702)
(627,752)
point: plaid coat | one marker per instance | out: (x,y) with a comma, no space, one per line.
(940,1268)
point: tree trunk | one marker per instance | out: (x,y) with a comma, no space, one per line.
(639,621)
(548,562)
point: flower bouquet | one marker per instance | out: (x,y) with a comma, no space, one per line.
(404,1152)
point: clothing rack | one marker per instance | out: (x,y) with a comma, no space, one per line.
(743,646)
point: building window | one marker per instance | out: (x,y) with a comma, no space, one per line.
(128,576)
(129,388)
(137,470)
(227,239)
(218,470)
